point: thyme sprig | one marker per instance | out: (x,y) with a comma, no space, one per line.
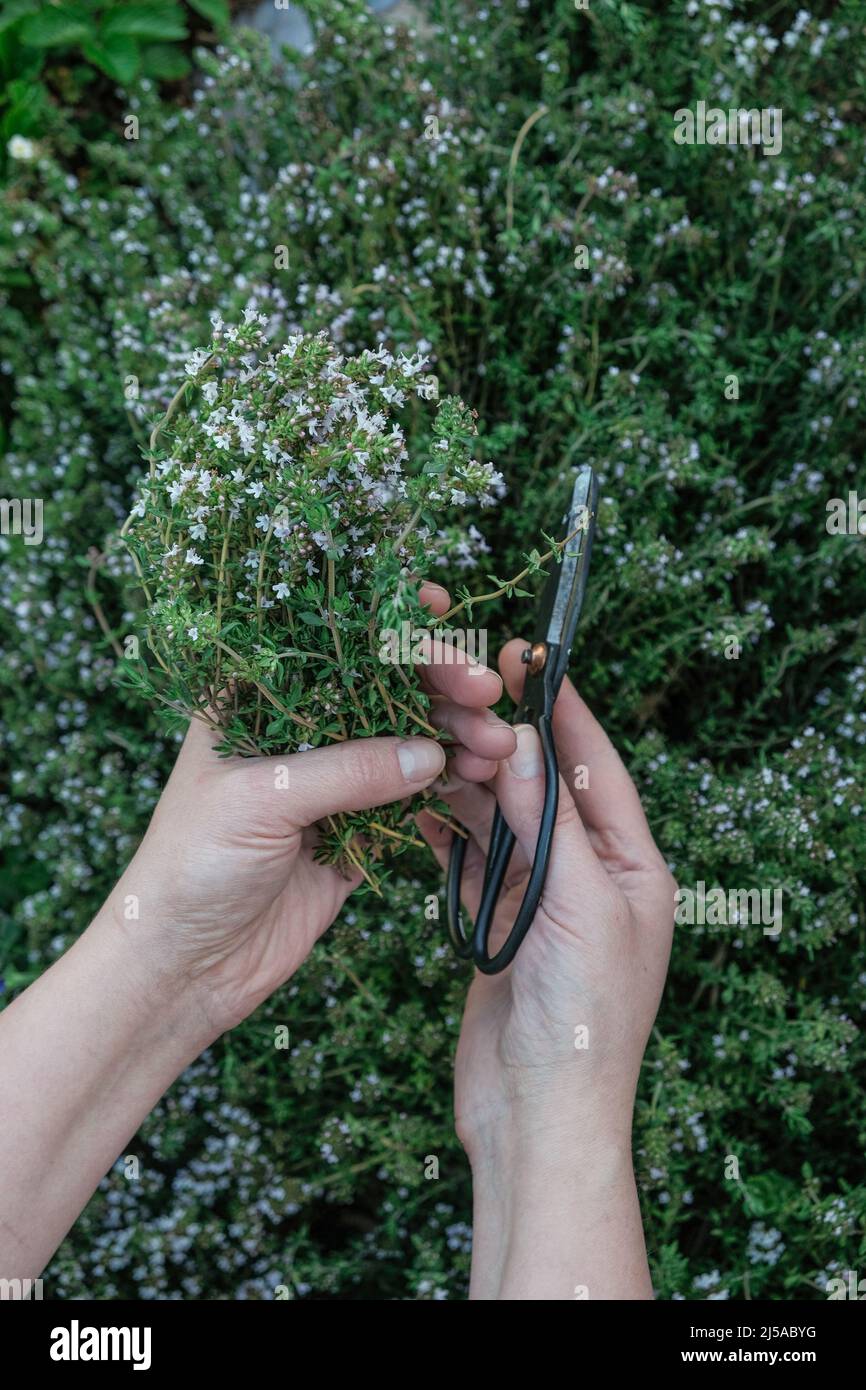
(276,533)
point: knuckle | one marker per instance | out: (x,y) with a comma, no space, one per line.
(567,814)
(370,765)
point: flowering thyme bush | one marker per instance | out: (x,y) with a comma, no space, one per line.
(276,534)
(306,1167)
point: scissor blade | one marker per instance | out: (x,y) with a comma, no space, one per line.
(563,594)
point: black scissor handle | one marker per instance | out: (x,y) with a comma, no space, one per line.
(547,660)
(502,842)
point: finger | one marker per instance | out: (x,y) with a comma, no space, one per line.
(479,730)
(456,674)
(440,838)
(198,757)
(470,803)
(434,597)
(473,805)
(519,788)
(609,804)
(299,789)
(470,768)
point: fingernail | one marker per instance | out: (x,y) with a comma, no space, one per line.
(428,584)
(526,760)
(491,717)
(453,784)
(477,668)
(420,759)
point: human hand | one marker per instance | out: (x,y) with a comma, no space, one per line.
(596,956)
(550,1050)
(229,896)
(221,904)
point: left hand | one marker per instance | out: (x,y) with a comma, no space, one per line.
(224,891)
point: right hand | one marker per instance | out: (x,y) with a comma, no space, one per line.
(596,955)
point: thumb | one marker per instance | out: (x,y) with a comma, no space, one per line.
(519,789)
(351,776)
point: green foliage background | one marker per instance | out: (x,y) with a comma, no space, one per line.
(67,48)
(306,1167)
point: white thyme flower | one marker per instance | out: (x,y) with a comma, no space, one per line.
(21,148)
(196,361)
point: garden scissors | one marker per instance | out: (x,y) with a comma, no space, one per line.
(547,660)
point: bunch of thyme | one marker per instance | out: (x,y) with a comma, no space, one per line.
(278,531)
